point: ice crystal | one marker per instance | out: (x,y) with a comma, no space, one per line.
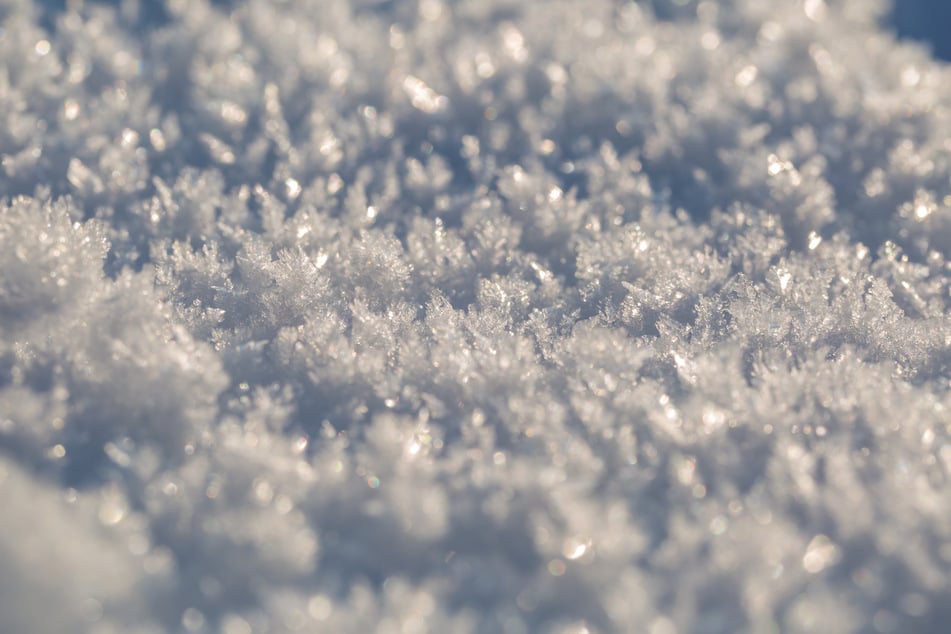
(478,316)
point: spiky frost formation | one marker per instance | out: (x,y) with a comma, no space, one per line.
(481,316)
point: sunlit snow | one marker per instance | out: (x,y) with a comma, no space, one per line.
(490,316)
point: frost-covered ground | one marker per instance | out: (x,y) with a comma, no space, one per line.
(492,316)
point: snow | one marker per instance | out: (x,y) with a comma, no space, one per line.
(481,316)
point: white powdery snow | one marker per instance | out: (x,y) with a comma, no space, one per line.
(490,316)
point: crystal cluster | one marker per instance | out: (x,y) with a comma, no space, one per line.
(407,316)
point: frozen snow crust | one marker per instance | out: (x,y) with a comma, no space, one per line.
(482,316)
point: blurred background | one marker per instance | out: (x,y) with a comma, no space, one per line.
(925,20)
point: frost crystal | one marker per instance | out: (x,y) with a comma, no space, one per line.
(479,316)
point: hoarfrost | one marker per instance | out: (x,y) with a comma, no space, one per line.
(480,316)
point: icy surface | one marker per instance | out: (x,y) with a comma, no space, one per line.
(485,316)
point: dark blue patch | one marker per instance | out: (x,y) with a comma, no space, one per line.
(928,21)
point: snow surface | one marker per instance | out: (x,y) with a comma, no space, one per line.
(493,316)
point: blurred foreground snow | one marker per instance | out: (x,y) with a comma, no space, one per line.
(478,316)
